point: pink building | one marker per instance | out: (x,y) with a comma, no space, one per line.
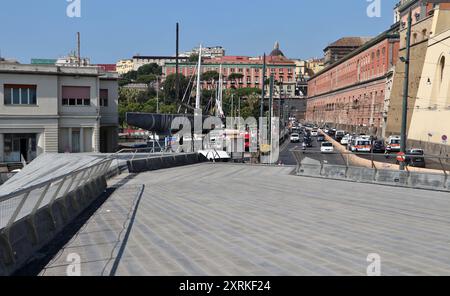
(350,94)
(250,68)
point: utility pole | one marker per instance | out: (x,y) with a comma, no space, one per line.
(157,94)
(271,115)
(406,91)
(79,48)
(177,65)
(261,113)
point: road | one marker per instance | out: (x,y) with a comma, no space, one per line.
(287,158)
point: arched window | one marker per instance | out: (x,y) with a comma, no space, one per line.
(441,70)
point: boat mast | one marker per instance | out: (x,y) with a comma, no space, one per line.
(199,71)
(220,95)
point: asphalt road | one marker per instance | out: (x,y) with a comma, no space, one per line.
(287,158)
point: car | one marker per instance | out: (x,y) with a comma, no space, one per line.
(295,138)
(345,140)
(314,133)
(339,135)
(378,146)
(308,141)
(414,157)
(326,147)
(331,133)
(320,138)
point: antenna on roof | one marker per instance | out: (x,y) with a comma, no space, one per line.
(79,48)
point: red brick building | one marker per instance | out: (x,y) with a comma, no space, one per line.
(350,94)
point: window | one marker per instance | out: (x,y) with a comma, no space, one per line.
(442,68)
(76,96)
(104,98)
(16,94)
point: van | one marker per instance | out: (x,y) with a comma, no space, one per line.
(393,144)
(361,145)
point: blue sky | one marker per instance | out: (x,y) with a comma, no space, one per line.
(115,29)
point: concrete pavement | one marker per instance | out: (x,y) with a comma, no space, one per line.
(223,219)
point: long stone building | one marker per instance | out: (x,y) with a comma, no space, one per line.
(350,93)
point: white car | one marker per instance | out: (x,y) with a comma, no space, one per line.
(314,133)
(345,140)
(295,138)
(326,147)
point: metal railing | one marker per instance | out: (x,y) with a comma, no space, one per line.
(27,201)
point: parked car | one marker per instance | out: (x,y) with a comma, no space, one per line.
(378,147)
(295,138)
(326,147)
(414,158)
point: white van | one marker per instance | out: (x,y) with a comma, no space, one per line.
(393,144)
(361,145)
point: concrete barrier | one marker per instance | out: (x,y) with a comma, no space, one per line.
(376,176)
(28,235)
(164,162)
(335,172)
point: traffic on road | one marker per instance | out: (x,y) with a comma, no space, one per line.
(312,141)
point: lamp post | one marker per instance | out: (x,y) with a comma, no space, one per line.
(406,91)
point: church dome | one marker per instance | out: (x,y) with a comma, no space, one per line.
(276,52)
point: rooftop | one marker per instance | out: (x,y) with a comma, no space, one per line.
(56,70)
(349,42)
(224,219)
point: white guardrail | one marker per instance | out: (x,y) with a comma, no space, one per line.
(26,202)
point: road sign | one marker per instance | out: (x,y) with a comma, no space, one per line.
(444,138)
(401,157)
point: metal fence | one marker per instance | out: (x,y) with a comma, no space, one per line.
(28,201)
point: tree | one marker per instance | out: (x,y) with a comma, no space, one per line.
(170,89)
(130,95)
(235,76)
(149,69)
(147,79)
(168,109)
(193,57)
(210,76)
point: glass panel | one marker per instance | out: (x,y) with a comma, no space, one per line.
(16,96)
(8,95)
(33,96)
(24,96)
(75,142)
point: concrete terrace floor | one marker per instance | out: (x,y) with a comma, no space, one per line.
(223,219)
